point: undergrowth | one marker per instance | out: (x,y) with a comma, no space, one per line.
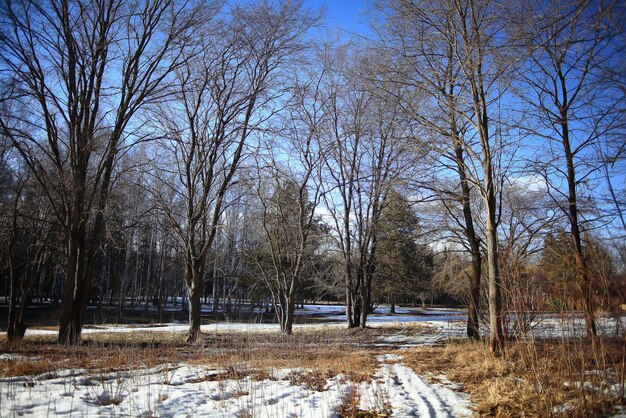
(536,378)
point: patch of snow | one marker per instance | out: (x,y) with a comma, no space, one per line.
(569,325)
(450,325)
(400,389)
(443,379)
(13,357)
(563,409)
(186,390)
(444,324)
(321,309)
(406,341)
(174,328)
(388,357)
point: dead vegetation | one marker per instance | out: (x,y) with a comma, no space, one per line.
(38,356)
(540,378)
(346,352)
(349,407)
(536,378)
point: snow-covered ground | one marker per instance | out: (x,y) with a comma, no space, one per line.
(183,390)
(448,321)
(445,324)
(194,391)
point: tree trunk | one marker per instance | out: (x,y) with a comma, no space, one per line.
(291,307)
(194,292)
(356,314)
(69,325)
(366,289)
(19,326)
(13,329)
(582,274)
(349,297)
(496,336)
(473,317)
(81,259)
(216,292)
(285,311)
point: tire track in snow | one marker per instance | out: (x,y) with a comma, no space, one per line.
(409,395)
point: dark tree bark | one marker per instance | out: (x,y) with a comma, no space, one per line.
(83,73)
(473,316)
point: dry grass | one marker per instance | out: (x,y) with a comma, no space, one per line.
(325,353)
(533,380)
(349,407)
(38,356)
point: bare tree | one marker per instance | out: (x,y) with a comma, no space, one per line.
(480,52)
(574,107)
(29,252)
(418,39)
(368,153)
(81,72)
(289,243)
(226,93)
(228,262)
(527,218)
(460,66)
(289,202)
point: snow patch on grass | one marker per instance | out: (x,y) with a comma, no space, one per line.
(189,390)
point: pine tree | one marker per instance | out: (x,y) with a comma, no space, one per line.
(404,266)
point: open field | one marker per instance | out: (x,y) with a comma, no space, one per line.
(415,363)
(191,189)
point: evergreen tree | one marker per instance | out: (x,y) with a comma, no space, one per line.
(404,266)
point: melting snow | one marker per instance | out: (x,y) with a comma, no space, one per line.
(186,390)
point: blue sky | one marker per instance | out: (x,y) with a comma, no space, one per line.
(347,15)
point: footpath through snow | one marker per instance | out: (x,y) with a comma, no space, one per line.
(186,391)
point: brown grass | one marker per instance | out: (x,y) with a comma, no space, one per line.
(324,352)
(349,407)
(532,380)
(100,352)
